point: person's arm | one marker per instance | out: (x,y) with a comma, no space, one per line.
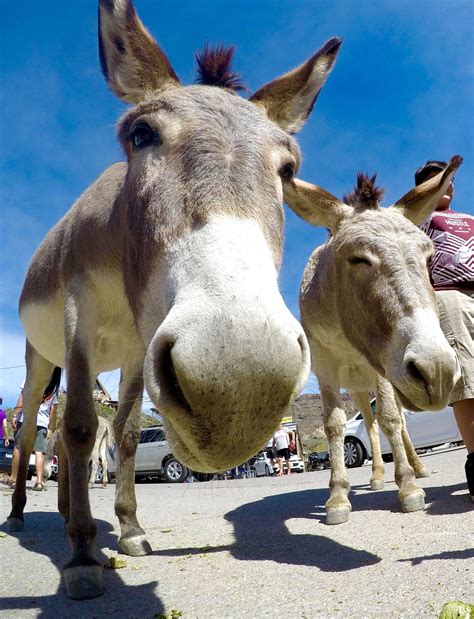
(16,411)
(53,419)
(5,432)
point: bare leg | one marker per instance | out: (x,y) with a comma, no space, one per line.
(361,400)
(464,414)
(15,464)
(39,464)
(288,468)
(411,496)
(127,433)
(280,466)
(38,373)
(338,506)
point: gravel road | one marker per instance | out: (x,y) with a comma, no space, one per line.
(257,548)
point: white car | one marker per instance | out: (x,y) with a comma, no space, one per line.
(263,465)
(426,429)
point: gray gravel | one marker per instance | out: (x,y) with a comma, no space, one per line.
(257,548)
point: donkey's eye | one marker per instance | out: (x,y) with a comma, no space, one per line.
(287,171)
(359,260)
(143,135)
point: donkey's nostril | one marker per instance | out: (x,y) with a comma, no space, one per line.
(166,375)
(415,372)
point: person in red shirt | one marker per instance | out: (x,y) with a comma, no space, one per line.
(452,275)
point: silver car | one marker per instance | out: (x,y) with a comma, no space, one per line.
(153,459)
(426,429)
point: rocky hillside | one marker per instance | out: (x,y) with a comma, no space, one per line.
(307,412)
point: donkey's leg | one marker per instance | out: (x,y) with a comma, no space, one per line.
(38,374)
(411,496)
(127,433)
(362,402)
(413,458)
(63,481)
(83,574)
(338,506)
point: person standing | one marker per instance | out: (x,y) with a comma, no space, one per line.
(46,417)
(3,426)
(452,275)
(281,442)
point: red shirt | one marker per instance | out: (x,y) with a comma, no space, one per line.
(452,264)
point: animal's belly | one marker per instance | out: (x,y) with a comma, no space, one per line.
(44,327)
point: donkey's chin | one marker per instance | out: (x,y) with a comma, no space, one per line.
(407,402)
(420,400)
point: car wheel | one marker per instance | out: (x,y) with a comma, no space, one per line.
(99,475)
(110,478)
(174,472)
(387,457)
(268,471)
(353,453)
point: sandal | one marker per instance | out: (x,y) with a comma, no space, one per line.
(39,486)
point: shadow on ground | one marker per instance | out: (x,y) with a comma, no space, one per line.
(44,534)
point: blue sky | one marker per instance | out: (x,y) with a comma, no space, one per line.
(402,92)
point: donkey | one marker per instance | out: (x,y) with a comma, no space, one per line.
(103,440)
(370,316)
(167,268)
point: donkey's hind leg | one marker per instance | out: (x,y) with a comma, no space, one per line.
(412,497)
(38,374)
(127,433)
(362,402)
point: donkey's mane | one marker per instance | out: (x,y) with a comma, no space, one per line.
(214,68)
(365,193)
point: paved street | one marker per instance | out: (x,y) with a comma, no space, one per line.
(257,548)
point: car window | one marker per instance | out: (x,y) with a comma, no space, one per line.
(157,435)
(145,436)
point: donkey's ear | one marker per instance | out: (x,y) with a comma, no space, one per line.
(289,99)
(132,62)
(418,204)
(314,204)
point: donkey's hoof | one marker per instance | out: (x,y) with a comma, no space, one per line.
(376,484)
(423,472)
(413,502)
(84,581)
(337,515)
(136,546)
(15,525)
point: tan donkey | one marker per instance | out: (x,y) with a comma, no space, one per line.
(167,268)
(369,312)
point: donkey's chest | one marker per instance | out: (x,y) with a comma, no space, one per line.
(352,369)
(114,330)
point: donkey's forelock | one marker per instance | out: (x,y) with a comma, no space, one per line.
(365,193)
(215,68)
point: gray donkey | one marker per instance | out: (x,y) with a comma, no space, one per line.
(167,267)
(370,315)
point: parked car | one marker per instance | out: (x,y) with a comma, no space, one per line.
(427,429)
(6,457)
(263,465)
(153,459)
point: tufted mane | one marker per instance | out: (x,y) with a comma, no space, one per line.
(214,68)
(365,193)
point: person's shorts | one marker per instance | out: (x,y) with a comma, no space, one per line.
(284,453)
(41,440)
(456,316)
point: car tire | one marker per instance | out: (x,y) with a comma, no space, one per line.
(387,457)
(268,471)
(111,478)
(174,472)
(354,454)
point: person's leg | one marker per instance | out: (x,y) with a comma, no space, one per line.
(280,466)
(464,414)
(15,463)
(39,463)
(288,468)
